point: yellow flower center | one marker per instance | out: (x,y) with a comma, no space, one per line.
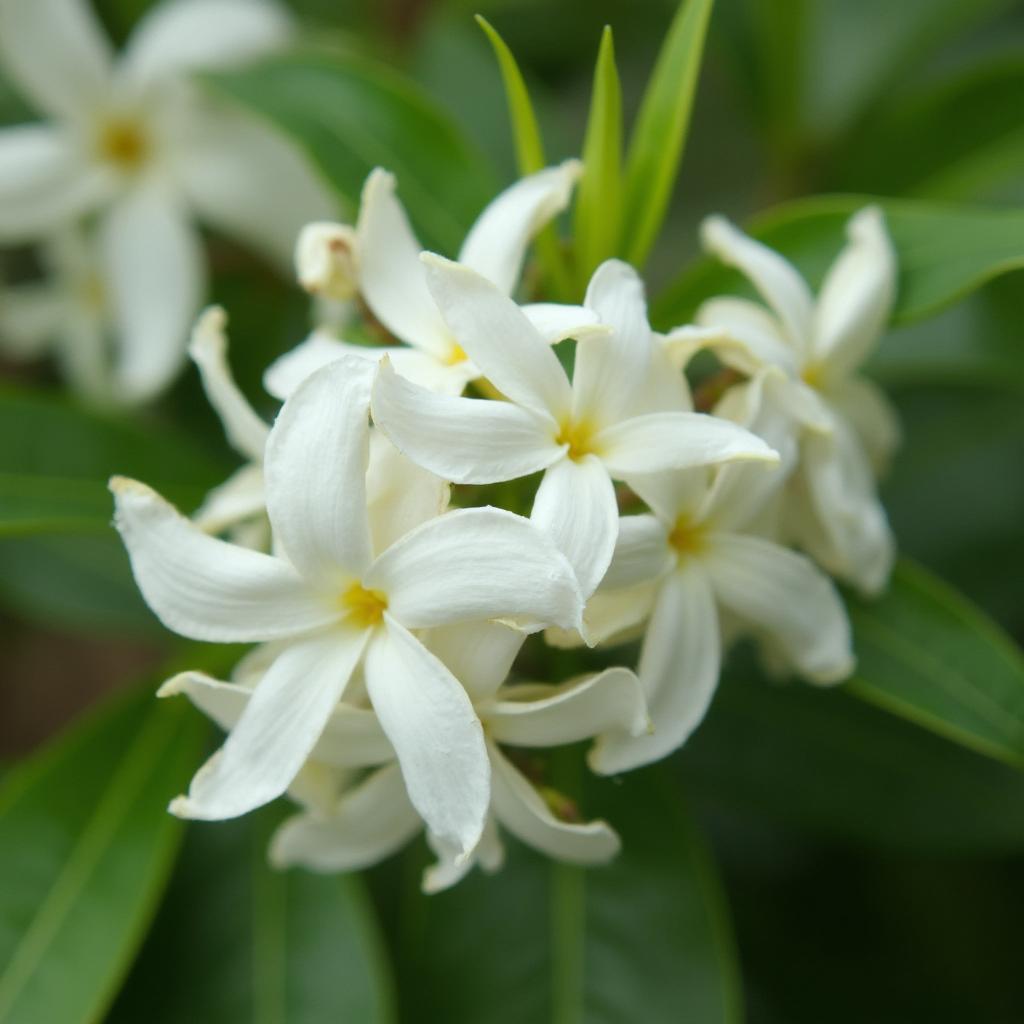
(579,436)
(456,354)
(365,608)
(687,537)
(813,375)
(123,143)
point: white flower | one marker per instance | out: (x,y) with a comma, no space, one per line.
(846,427)
(345,591)
(681,564)
(379,259)
(132,141)
(582,434)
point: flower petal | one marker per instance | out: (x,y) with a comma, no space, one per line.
(205,588)
(431,723)
(679,665)
(277,729)
(499,338)
(520,808)
(451,869)
(555,322)
(316,462)
(673,492)
(496,244)
(871,414)
(240,497)
(474,564)
(575,505)
(466,440)
(751,338)
(785,596)
(478,654)
(641,552)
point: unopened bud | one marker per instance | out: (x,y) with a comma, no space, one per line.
(326,260)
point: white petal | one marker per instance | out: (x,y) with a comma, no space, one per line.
(439,741)
(611,617)
(856,298)
(205,588)
(496,244)
(450,869)
(660,441)
(783,595)
(154,265)
(666,388)
(240,497)
(30,316)
(751,338)
(221,702)
(466,440)
(245,430)
(56,52)
(548,716)
(391,276)
(519,807)
(277,729)
(473,564)
(555,322)
(326,260)
(370,822)
(679,665)
(871,414)
(479,654)
(315,468)
(775,278)
(178,36)
(641,552)
(499,338)
(575,505)
(673,492)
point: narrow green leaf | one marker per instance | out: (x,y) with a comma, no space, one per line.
(599,198)
(658,137)
(32,505)
(86,845)
(925,653)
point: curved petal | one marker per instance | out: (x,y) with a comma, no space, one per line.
(575,505)
(662,441)
(57,54)
(872,415)
(315,468)
(277,729)
(641,552)
(679,665)
(520,808)
(205,588)
(439,741)
(478,654)
(555,322)
(370,822)
(774,277)
(180,36)
(466,440)
(496,244)
(450,869)
(245,430)
(240,497)
(611,616)
(499,338)
(785,596)
(751,338)
(474,564)
(548,716)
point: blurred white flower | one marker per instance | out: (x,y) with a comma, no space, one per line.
(132,142)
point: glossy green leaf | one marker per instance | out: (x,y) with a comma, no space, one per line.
(245,943)
(944,252)
(925,653)
(659,134)
(350,116)
(644,938)
(86,845)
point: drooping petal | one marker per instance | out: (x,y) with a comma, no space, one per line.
(662,441)
(871,414)
(180,36)
(496,244)
(315,467)
(479,654)
(750,339)
(277,729)
(575,505)
(679,665)
(520,808)
(774,277)
(431,723)
(370,822)
(205,588)
(641,552)
(57,54)
(783,595)
(474,564)
(499,338)
(154,266)
(30,316)
(555,322)
(450,869)
(240,497)
(465,440)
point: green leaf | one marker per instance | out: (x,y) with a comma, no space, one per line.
(544,941)
(944,252)
(599,196)
(925,653)
(658,137)
(350,116)
(31,505)
(245,943)
(86,848)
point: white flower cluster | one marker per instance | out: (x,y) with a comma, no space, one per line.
(388,622)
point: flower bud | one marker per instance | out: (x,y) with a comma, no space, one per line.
(326,260)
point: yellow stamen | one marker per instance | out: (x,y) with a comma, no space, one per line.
(687,537)
(579,436)
(813,374)
(365,608)
(123,142)
(456,354)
